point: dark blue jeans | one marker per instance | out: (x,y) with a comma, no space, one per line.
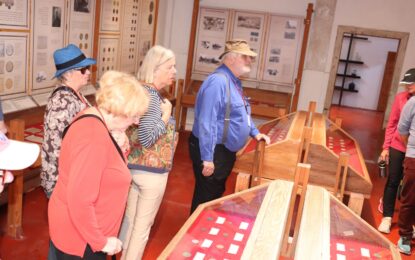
(211,187)
(396,158)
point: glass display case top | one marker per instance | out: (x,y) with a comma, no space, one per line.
(221,230)
(338,141)
(351,238)
(277,130)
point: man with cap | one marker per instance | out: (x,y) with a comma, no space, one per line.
(15,155)
(222,123)
(73,72)
(406,128)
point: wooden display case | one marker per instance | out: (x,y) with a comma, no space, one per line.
(322,148)
(252,224)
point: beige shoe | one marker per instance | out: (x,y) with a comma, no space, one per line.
(385,225)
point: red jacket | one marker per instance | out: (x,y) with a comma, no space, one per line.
(88,202)
(392,138)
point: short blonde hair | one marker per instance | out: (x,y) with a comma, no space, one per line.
(120,94)
(156,56)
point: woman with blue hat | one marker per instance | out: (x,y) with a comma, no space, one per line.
(73,71)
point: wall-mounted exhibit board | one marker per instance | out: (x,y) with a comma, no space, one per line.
(251,225)
(31,30)
(286,150)
(275,37)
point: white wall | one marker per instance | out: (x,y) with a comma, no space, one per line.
(373,53)
(390,15)
(374,14)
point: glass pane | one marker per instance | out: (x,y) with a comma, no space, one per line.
(221,230)
(352,238)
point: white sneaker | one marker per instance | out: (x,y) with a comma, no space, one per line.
(385,225)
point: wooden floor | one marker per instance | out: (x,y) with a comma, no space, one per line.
(363,125)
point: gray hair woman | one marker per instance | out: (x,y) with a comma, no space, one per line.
(73,73)
(157,72)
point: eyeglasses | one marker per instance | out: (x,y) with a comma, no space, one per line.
(84,69)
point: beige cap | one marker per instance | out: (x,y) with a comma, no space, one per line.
(238,46)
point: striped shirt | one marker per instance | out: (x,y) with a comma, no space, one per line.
(151,126)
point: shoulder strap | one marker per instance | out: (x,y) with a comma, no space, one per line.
(65,88)
(228,108)
(97,117)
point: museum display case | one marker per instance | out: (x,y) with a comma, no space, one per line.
(252,223)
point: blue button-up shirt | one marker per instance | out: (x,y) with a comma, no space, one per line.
(210,114)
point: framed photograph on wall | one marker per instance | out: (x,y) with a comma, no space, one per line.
(250,27)
(210,39)
(14,14)
(48,36)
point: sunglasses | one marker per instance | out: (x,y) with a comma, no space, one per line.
(84,69)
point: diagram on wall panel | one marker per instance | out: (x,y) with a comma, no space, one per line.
(210,39)
(14,13)
(48,36)
(13,63)
(81,25)
(250,27)
(108,54)
(281,50)
(129,53)
(110,15)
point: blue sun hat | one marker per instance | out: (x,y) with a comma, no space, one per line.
(70,57)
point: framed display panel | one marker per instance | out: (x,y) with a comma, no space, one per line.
(129,36)
(146,34)
(210,39)
(81,25)
(14,14)
(108,54)
(48,35)
(245,225)
(281,52)
(14,60)
(250,26)
(110,15)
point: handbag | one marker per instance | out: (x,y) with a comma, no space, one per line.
(159,157)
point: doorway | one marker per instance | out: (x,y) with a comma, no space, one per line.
(400,37)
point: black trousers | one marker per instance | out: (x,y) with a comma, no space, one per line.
(88,254)
(396,158)
(407,210)
(211,187)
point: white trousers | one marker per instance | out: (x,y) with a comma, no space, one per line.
(144,199)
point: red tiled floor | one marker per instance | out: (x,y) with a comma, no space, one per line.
(176,204)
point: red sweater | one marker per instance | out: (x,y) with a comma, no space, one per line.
(88,202)
(392,138)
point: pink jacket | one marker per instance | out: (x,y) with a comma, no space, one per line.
(392,138)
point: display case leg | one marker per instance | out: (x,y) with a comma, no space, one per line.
(356,203)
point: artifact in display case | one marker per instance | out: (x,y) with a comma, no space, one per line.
(324,147)
(251,224)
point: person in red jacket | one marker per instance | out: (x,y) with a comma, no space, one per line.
(393,154)
(88,202)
